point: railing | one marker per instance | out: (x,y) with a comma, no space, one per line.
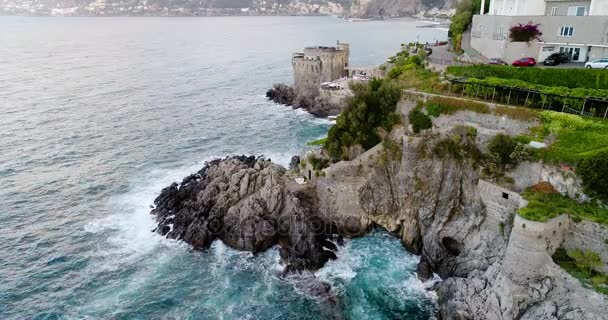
(499,36)
(445,62)
(513,96)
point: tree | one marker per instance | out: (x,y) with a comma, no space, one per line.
(594,172)
(371,107)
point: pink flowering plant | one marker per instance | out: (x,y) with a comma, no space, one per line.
(525,32)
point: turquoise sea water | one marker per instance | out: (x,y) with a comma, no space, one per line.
(98,114)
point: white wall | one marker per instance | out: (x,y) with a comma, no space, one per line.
(517,7)
(598,8)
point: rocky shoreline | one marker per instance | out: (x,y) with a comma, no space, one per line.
(245,202)
(286,95)
(494,264)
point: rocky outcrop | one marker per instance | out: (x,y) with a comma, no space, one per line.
(245,203)
(466,229)
(315,105)
(282,94)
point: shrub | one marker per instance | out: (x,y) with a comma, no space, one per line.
(371,107)
(505,152)
(525,32)
(570,78)
(586,260)
(594,172)
(318,163)
(419,120)
(461,145)
(392,150)
(544,206)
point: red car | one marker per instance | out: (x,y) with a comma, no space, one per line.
(524,62)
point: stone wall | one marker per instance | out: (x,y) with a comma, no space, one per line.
(587,235)
(306,73)
(566,182)
(501,206)
(531,245)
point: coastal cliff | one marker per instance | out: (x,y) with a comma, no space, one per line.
(428,188)
(496,264)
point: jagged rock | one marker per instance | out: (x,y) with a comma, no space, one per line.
(281,93)
(295,162)
(243,201)
(284,94)
(424,270)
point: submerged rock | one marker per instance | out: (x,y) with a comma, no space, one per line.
(244,202)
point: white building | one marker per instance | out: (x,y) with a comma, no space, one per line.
(579,28)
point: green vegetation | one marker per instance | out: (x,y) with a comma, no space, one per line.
(319,142)
(463,18)
(575,101)
(318,163)
(570,78)
(437,106)
(371,107)
(543,206)
(594,172)
(577,138)
(504,153)
(409,71)
(521,114)
(419,120)
(391,151)
(461,145)
(583,265)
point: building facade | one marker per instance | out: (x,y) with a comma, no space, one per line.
(579,28)
(316,65)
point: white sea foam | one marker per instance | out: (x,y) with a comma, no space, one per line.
(341,269)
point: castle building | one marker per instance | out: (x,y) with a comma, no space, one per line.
(317,65)
(579,28)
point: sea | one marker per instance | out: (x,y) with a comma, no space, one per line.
(97,115)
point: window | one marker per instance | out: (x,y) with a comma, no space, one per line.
(505,195)
(566,31)
(577,10)
(554,11)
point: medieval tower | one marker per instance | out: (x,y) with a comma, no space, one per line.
(317,65)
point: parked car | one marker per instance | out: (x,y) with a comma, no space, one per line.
(497,61)
(597,64)
(557,58)
(524,62)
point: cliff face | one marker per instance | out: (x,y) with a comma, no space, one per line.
(496,265)
(348,8)
(427,189)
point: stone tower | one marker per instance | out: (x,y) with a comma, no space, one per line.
(317,65)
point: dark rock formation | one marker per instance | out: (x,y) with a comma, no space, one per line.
(244,202)
(295,162)
(424,270)
(284,94)
(281,93)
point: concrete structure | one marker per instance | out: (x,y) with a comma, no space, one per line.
(579,28)
(317,65)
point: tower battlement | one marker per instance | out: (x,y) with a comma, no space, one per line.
(319,64)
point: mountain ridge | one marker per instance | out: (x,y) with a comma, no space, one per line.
(344,8)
